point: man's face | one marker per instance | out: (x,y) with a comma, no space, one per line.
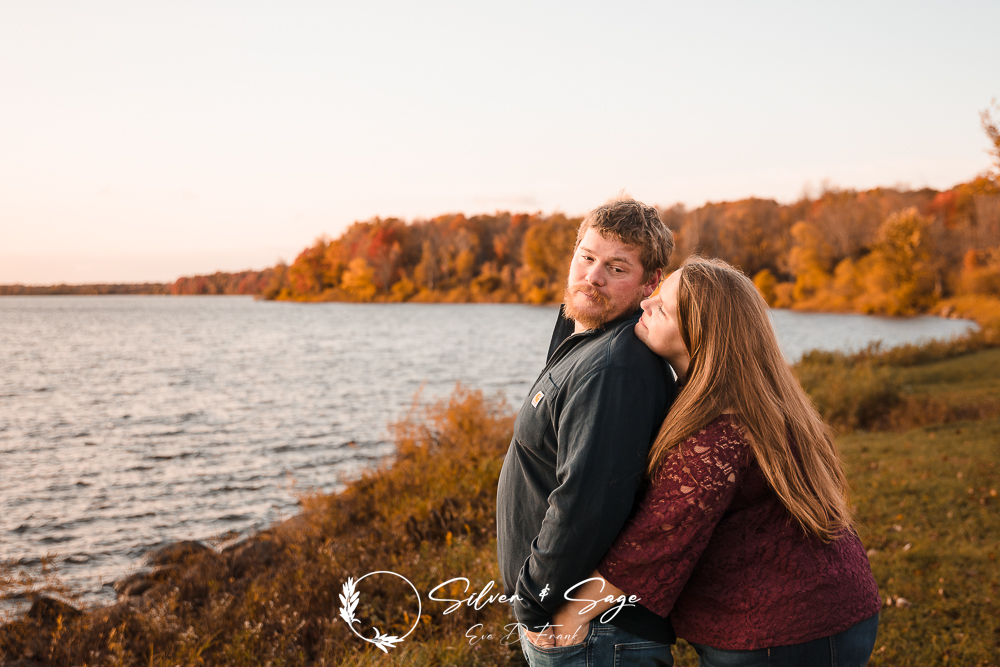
(605,281)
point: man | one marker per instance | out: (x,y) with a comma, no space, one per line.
(581,438)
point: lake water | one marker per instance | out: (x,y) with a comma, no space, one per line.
(130,422)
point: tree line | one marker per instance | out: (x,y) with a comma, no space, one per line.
(95,289)
(884,250)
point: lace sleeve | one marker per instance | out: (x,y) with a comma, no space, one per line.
(658,547)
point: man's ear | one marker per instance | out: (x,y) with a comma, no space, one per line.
(652,283)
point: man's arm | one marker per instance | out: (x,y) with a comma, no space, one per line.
(604,431)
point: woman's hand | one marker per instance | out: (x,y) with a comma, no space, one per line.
(554,635)
(572,631)
(543,639)
(570,622)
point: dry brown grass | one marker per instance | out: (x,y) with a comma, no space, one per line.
(429,516)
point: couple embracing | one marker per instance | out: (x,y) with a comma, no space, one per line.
(632,504)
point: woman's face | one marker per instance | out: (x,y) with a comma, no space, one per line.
(658,329)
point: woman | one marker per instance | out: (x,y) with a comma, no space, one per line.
(744,535)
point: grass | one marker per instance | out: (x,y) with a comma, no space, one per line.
(926,506)
(924,491)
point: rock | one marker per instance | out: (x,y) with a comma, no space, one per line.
(193,587)
(252,554)
(137,587)
(178,552)
(894,601)
(140,582)
(47,610)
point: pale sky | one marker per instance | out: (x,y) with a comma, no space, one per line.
(145,141)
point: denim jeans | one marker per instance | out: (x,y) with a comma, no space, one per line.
(850,648)
(604,646)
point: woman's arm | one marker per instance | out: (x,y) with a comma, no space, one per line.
(660,545)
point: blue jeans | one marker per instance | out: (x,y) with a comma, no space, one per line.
(604,646)
(850,648)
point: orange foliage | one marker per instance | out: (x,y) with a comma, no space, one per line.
(882,251)
(454,258)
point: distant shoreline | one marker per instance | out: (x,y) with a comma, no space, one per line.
(96,289)
(219,283)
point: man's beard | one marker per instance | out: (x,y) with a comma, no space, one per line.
(601,310)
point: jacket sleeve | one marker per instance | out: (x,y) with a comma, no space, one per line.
(604,430)
(658,548)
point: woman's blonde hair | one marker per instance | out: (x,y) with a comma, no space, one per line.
(736,363)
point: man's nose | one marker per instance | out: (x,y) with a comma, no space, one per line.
(595,275)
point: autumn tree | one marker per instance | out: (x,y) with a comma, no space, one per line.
(993,133)
(981,273)
(751,235)
(898,276)
(358,280)
(981,200)
(428,273)
(810,261)
(277,286)
(847,220)
(548,249)
(308,274)
(767,286)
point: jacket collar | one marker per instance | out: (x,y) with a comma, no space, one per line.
(565,326)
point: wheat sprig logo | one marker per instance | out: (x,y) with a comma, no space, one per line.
(349,598)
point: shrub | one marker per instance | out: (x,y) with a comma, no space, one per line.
(849,393)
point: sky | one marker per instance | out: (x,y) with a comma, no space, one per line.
(145,141)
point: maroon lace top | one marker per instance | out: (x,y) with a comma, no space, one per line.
(711,545)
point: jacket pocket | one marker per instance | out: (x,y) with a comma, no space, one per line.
(535,421)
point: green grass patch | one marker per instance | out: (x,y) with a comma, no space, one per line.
(904,388)
(927,509)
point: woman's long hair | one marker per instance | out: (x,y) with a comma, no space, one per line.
(736,363)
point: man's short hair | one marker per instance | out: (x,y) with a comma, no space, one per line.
(636,225)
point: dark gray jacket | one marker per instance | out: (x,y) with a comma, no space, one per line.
(576,461)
